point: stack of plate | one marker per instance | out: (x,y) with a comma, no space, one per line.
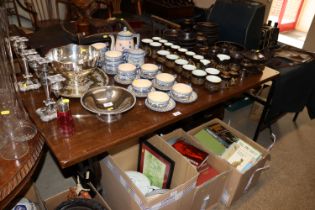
(210,29)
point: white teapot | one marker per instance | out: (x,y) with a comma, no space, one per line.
(124,41)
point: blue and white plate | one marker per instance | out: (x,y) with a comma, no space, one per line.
(193,97)
(146,76)
(137,94)
(121,81)
(171,105)
(161,87)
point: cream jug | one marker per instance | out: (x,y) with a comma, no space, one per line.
(124,40)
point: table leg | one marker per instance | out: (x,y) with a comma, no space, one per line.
(90,171)
(295,116)
(262,120)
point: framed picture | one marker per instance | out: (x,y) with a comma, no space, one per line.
(155,165)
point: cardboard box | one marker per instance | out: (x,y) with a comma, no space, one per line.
(208,194)
(52,202)
(121,193)
(33,195)
(239,183)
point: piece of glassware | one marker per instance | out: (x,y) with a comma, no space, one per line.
(64,117)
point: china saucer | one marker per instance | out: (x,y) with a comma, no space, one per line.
(137,94)
(145,76)
(193,97)
(171,105)
(161,87)
(121,81)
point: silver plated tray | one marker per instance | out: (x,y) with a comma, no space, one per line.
(108,100)
(171,105)
(71,89)
(193,97)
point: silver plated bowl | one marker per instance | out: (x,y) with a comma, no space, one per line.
(108,102)
(73,61)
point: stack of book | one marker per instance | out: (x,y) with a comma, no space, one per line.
(222,142)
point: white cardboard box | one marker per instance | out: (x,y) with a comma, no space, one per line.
(208,194)
(122,194)
(238,183)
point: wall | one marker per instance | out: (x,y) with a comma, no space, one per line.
(267,3)
(204,4)
(306,16)
(309,43)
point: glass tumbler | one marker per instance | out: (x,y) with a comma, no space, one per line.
(64,117)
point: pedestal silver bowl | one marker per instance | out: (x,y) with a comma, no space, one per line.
(108,102)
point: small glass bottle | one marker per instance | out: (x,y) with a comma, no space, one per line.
(64,117)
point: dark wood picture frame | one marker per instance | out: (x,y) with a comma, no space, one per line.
(145,164)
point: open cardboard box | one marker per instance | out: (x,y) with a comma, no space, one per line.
(238,183)
(52,202)
(208,194)
(121,193)
(33,195)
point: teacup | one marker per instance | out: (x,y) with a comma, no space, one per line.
(113,55)
(168,45)
(198,76)
(154,47)
(161,58)
(190,53)
(189,56)
(187,69)
(196,60)
(162,41)
(158,99)
(146,44)
(146,41)
(223,57)
(179,65)
(212,71)
(182,91)
(181,52)
(164,79)
(205,63)
(170,62)
(112,61)
(149,70)
(156,38)
(141,86)
(213,83)
(136,57)
(126,71)
(99,46)
(174,48)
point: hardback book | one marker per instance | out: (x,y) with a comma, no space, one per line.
(208,173)
(209,142)
(222,134)
(196,156)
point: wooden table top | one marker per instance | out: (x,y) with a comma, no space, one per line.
(93,137)
(15,174)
